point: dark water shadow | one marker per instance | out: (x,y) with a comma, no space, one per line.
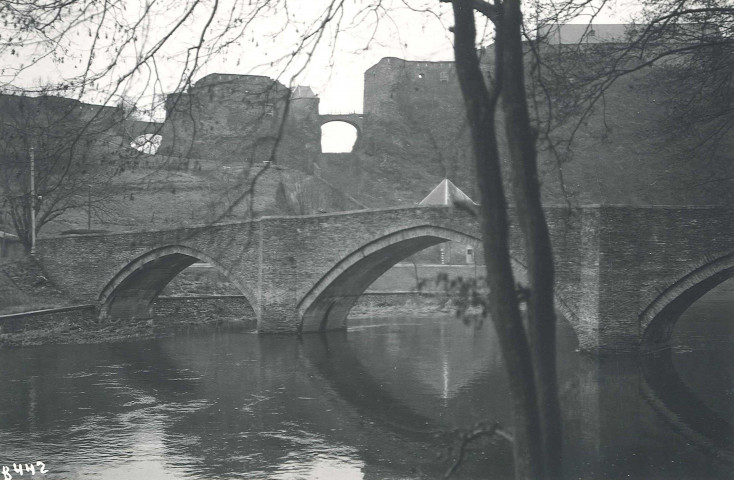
(669,396)
(332,356)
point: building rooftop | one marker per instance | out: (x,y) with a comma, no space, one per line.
(585,33)
(303,91)
(229,78)
(622,33)
(446,193)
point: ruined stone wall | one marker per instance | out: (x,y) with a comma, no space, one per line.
(301,142)
(623,154)
(237,119)
(415,133)
(57,127)
(415,120)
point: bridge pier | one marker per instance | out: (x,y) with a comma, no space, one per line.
(605,321)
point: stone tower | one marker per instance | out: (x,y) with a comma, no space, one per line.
(241,119)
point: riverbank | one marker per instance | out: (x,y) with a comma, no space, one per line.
(24,287)
(80,324)
(380,304)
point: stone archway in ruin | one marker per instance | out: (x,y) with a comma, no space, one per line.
(131,291)
(658,320)
(354,120)
(147,143)
(327,304)
(336,137)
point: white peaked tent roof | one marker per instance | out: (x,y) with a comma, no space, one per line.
(303,91)
(446,193)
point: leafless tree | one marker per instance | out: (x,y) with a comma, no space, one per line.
(681,51)
(124,43)
(125,48)
(73,163)
(529,352)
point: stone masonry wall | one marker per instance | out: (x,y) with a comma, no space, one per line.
(205,308)
(415,120)
(611,262)
(413,134)
(278,259)
(237,119)
(623,153)
(84,265)
(80,324)
(61,325)
(643,251)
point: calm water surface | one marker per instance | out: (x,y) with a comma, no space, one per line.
(369,403)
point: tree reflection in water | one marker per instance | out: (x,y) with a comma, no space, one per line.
(366,403)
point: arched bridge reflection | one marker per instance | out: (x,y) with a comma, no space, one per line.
(417,376)
(668,395)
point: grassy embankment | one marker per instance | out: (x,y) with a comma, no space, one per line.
(153,192)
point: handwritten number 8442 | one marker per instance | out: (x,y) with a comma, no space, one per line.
(20,468)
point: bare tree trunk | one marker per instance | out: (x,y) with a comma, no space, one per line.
(480,105)
(521,138)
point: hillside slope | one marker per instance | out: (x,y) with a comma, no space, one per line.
(162,192)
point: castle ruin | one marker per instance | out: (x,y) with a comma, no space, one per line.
(413,133)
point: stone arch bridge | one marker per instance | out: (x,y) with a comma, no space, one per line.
(624,274)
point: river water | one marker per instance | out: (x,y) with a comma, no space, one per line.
(376,402)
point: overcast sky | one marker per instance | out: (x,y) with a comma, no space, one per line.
(334,70)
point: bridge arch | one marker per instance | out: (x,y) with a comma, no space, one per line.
(131,291)
(327,304)
(338,137)
(147,143)
(658,319)
(354,119)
